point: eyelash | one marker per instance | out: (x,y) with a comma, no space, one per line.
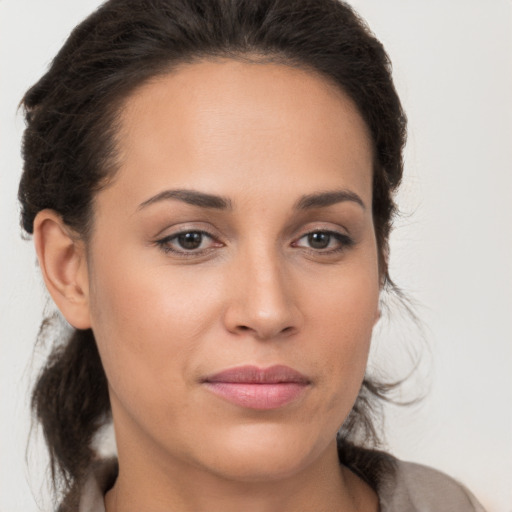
(164,244)
(344,243)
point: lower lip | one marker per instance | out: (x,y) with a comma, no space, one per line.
(258,396)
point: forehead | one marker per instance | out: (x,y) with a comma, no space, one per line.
(225,123)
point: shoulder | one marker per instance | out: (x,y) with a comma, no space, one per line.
(414,487)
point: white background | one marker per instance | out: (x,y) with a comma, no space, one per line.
(451,251)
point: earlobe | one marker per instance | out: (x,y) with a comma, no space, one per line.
(64,267)
(378,314)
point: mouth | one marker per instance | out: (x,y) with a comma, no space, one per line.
(258,388)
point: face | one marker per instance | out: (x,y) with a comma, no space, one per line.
(232,269)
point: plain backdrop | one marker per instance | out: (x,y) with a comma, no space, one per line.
(451,250)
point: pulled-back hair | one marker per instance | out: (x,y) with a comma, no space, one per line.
(69,150)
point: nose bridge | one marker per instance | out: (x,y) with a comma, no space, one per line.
(263,301)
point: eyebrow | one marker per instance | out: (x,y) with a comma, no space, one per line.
(324,199)
(204,200)
(192,197)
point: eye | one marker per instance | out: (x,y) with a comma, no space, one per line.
(188,242)
(324,241)
(319,240)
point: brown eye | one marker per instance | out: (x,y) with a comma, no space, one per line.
(190,241)
(319,240)
(324,242)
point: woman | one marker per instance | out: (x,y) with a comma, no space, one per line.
(210,188)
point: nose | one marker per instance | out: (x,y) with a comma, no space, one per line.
(262,299)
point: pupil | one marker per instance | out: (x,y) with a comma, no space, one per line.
(190,240)
(319,240)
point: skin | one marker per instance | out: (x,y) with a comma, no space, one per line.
(261,136)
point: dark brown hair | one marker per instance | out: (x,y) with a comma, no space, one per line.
(70,152)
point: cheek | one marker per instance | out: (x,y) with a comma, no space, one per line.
(148,325)
(346,302)
(342,319)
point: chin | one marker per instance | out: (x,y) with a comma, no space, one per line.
(255,453)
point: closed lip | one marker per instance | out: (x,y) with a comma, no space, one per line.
(277,374)
(251,387)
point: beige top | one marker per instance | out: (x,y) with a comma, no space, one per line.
(413,488)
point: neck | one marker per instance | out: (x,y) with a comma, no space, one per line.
(144,483)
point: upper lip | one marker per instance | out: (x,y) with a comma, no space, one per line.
(254,375)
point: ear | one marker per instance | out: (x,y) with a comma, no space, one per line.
(378,314)
(64,267)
